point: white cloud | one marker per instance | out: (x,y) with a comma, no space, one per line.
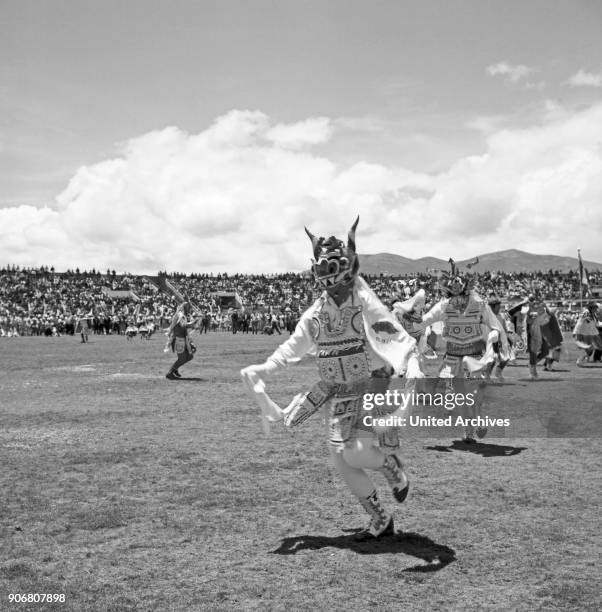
(237,195)
(293,136)
(485,123)
(585,79)
(514,72)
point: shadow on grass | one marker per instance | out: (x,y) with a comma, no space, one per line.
(480,448)
(545,379)
(437,556)
(499,383)
(188,378)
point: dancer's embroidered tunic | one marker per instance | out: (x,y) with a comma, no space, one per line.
(467,324)
(355,345)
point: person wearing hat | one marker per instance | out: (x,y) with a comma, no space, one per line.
(358,344)
(471,333)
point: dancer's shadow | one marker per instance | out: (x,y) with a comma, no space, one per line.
(498,383)
(190,379)
(543,380)
(480,448)
(437,556)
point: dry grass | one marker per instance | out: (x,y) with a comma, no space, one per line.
(126,491)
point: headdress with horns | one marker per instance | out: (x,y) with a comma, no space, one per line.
(334,263)
(455,282)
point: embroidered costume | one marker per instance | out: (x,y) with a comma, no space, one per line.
(472,334)
(358,345)
(409,314)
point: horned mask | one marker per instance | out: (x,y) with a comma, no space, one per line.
(333,263)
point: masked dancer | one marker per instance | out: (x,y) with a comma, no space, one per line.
(472,336)
(358,344)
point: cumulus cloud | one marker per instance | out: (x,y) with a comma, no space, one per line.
(514,73)
(309,132)
(485,123)
(585,79)
(235,197)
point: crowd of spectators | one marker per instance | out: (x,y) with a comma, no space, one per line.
(42,301)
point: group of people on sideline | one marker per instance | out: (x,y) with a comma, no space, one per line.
(41,301)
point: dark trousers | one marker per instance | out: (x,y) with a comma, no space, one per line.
(183,358)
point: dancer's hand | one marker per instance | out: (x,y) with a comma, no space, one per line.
(413,370)
(262,370)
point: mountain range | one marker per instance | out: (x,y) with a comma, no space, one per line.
(511,260)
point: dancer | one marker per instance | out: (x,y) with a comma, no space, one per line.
(408,309)
(358,344)
(553,336)
(409,313)
(586,334)
(472,334)
(501,359)
(540,341)
(83,324)
(178,339)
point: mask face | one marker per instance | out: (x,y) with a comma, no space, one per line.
(457,287)
(334,264)
(454,287)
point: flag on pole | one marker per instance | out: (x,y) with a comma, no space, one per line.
(583,279)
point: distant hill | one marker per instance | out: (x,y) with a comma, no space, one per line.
(511,260)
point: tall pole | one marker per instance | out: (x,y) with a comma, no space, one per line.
(580,280)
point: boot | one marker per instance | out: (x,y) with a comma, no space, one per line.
(392,470)
(468,436)
(381,522)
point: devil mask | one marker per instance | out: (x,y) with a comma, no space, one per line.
(454,283)
(334,264)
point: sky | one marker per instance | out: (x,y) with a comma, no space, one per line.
(202,136)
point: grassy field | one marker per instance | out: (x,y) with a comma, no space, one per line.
(126,491)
